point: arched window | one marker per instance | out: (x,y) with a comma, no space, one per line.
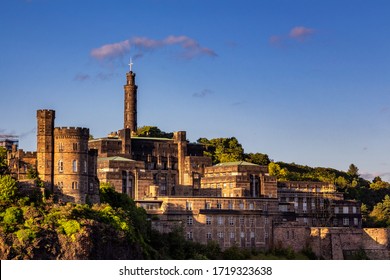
(74,166)
(75,185)
(60,166)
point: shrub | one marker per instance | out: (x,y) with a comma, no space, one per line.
(12,217)
(25,234)
(69,227)
(8,188)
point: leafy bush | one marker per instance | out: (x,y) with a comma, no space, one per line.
(25,234)
(69,227)
(12,217)
(8,189)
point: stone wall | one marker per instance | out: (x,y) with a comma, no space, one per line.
(334,242)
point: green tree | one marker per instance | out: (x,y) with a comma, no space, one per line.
(341,182)
(8,188)
(152,131)
(274,169)
(381,213)
(353,171)
(257,158)
(379,185)
(377,179)
(223,149)
(3,161)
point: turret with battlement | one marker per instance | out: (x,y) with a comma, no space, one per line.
(63,160)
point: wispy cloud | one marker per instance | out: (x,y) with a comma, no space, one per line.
(300,33)
(297,33)
(384,175)
(190,48)
(202,94)
(111,50)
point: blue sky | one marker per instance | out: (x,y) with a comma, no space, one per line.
(303,81)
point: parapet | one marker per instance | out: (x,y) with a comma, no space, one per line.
(29,154)
(72,131)
(46,113)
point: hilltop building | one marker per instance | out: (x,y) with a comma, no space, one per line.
(64,163)
(235,203)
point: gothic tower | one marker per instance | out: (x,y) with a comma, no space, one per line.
(130,120)
(45,146)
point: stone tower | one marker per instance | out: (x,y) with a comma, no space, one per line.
(45,146)
(130,120)
(71,163)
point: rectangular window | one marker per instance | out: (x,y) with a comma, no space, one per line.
(189,205)
(220,235)
(336,210)
(74,166)
(219,205)
(208,220)
(346,221)
(189,235)
(242,234)
(220,220)
(242,220)
(251,221)
(242,206)
(356,221)
(208,205)
(189,220)
(208,235)
(75,146)
(232,235)
(345,209)
(251,207)
(60,166)
(61,147)
(85,166)
(230,206)
(354,209)
(283,208)
(231,221)
(252,235)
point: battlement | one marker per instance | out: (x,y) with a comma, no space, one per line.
(71,131)
(29,154)
(45,112)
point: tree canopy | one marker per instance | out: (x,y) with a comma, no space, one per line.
(3,161)
(223,149)
(152,131)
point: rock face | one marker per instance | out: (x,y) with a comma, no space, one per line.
(95,241)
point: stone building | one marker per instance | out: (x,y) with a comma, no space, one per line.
(64,163)
(235,203)
(317,204)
